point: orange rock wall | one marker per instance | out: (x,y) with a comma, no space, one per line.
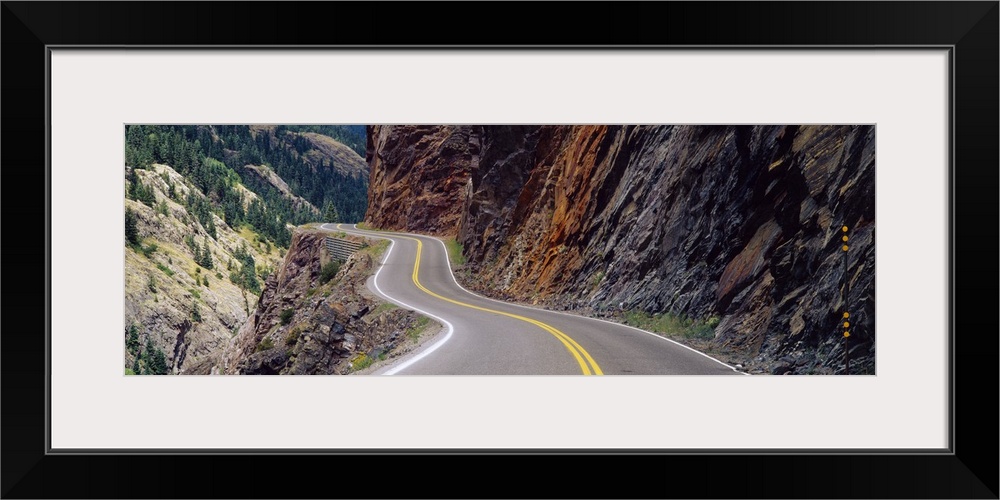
(419,176)
(738,222)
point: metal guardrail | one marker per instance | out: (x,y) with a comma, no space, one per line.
(341,249)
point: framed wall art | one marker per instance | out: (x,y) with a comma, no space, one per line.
(793,131)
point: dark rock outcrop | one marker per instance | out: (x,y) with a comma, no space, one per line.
(303,326)
(737,222)
(419,176)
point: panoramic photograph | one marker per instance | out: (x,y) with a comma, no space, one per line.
(280,249)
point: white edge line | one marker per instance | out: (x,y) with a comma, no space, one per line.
(452,273)
(723,363)
(433,347)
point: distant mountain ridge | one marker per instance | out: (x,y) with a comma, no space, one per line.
(316,168)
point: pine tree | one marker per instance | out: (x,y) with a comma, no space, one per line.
(132,342)
(203,256)
(156,361)
(330,213)
(189,241)
(133,185)
(246,277)
(131,228)
(140,192)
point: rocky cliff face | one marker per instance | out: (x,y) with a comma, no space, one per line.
(303,325)
(419,178)
(739,223)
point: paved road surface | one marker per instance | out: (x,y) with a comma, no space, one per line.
(487,337)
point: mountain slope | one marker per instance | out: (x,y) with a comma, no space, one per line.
(207,221)
(174,302)
(264,173)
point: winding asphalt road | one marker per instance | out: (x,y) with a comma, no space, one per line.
(487,337)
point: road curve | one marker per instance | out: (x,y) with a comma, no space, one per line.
(488,337)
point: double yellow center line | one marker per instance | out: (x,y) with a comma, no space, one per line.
(581,355)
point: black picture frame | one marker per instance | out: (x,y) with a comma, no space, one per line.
(968,29)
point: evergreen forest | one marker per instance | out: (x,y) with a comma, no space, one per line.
(216,158)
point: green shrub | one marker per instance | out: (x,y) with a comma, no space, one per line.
(265,344)
(286,316)
(385,306)
(264,271)
(329,271)
(148,250)
(597,279)
(361,362)
(375,250)
(194,247)
(161,208)
(455,252)
(293,336)
(166,270)
(195,313)
(418,328)
(672,324)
